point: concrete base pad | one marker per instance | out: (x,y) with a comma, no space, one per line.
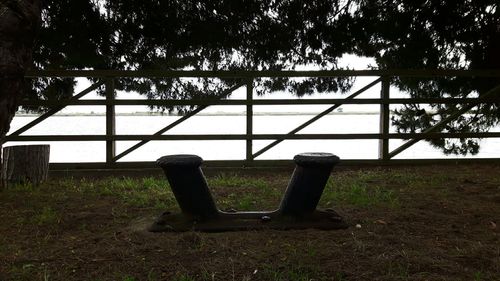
(238,221)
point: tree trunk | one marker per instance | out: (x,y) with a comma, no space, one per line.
(25,164)
(19,23)
(10,92)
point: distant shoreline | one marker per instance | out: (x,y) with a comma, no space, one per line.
(203,114)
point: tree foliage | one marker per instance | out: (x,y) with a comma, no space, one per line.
(281,35)
(438,34)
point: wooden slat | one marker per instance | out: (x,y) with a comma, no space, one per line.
(264,73)
(207,137)
(103,167)
(110,121)
(384,125)
(249,121)
(140,102)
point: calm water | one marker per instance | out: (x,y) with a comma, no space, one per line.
(227,150)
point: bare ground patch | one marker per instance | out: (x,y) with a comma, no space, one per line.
(418,223)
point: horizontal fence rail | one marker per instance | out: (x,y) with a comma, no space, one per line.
(262,73)
(107,79)
(263,102)
(353,136)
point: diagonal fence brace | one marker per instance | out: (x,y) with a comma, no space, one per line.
(315,118)
(172,125)
(296,211)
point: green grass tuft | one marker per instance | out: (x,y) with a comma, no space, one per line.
(358,192)
(236,181)
(149,192)
(129,278)
(46,216)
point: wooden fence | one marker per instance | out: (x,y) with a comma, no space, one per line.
(108,77)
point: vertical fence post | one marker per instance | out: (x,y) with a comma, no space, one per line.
(249,136)
(110,121)
(383,146)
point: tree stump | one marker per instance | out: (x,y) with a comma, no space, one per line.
(25,163)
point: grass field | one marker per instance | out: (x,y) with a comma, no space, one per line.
(407,223)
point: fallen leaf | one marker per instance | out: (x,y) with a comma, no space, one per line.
(381,222)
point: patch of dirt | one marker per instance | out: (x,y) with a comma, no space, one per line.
(446,231)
